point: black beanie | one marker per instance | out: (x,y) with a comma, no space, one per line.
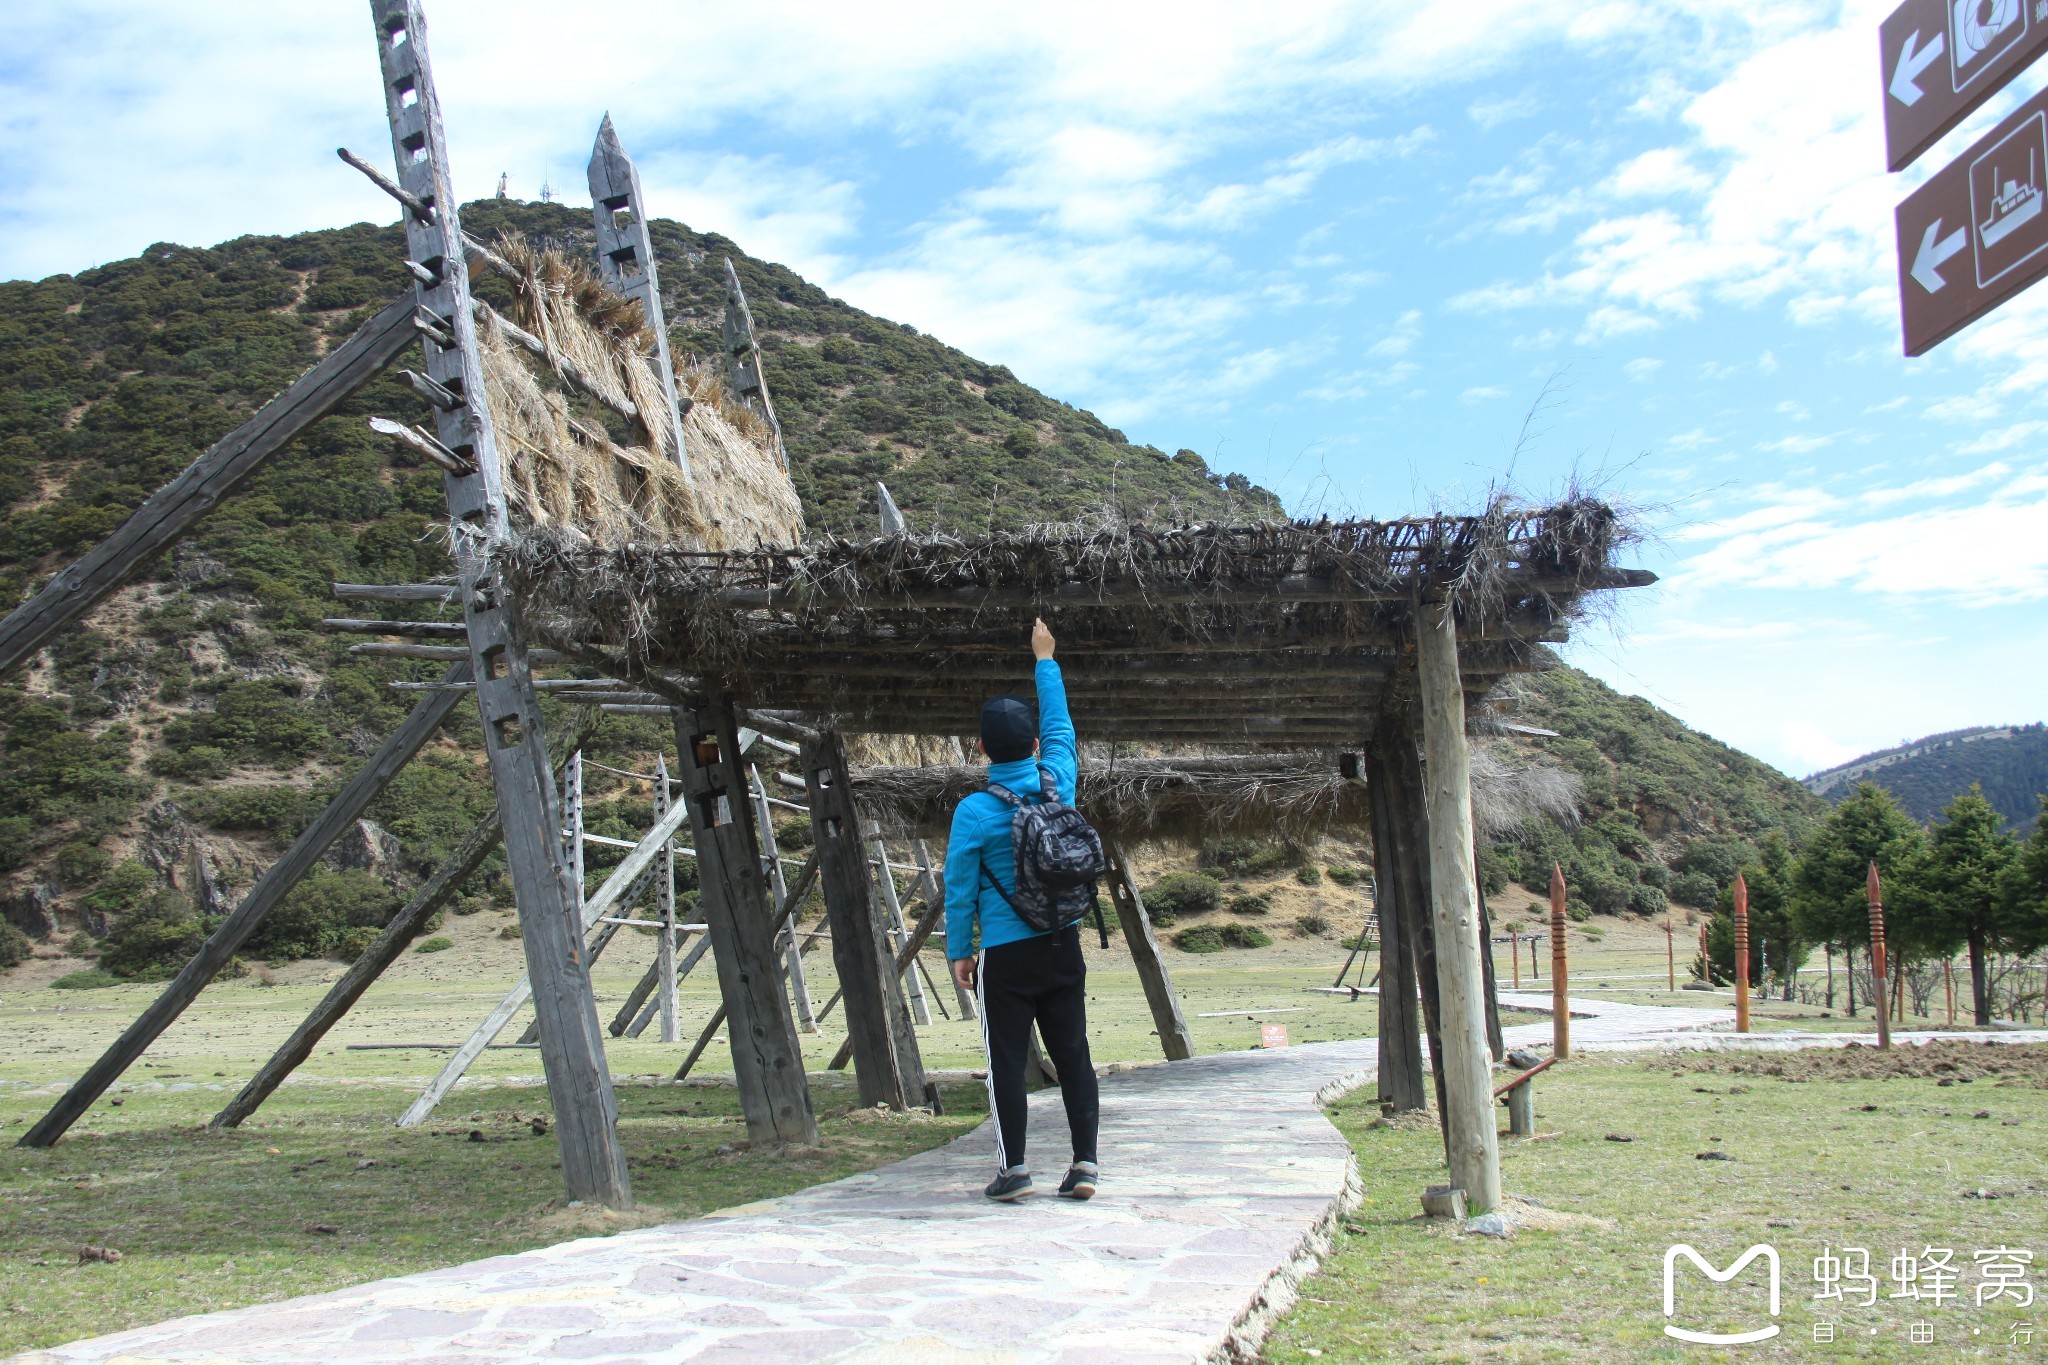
(1008,729)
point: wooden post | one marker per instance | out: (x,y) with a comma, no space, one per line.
(1948,986)
(932,885)
(572,830)
(1401,1085)
(891,514)
(1168,1019)
(342,812)
(1878,998)
(1741,954)
(778,886)
(887,1064)
(1515,955)
(1522,1110)
(457,868)
(173,509)
(1560,986)
(885,879)
(733,899)
(1670,954)
(571,1039)
(625,257)
(1468,1085)
(1496,1042)
(665,982)
(749,383)
(1706,962)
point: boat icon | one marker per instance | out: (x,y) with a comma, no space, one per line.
(2013,204)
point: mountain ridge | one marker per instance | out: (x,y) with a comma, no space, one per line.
(2010,763)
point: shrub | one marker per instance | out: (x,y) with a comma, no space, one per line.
(121,890)
(509,931)
(437,944)
(319,910)
(1313,924)
(79,865)
(90,979)
(1244,936)
(1203,938)
(153,939)
(1307,875)
(792,833)
(1344,876)
(14,945)
(1180,894)
(1249,905)
(270,810)
(17,842)
(350,944)
(1645,899)
(1240,855)
(1696,889)
(1577,911)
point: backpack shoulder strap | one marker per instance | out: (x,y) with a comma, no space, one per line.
(1003,794)
(1048,785)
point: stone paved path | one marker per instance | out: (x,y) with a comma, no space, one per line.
(1221,1180)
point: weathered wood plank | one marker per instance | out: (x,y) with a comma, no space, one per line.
(1401,1083)
(625,258)
(906,959)
(886,1059)
(749,382)
(1447,792)
(767,1060)
(1175,1039)
(342,812)
(572,1039)
(173,509)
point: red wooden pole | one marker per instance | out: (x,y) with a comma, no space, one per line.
(1741,954)
(1877,962)
(1670,954)
(1560,1005)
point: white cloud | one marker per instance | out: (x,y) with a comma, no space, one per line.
(1814,747)
(1481,393)
(1491,111)
(1642,368)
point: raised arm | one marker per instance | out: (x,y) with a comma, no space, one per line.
(1057,749)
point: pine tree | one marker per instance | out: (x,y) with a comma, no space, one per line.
(1776,938)
(1829,903)
(1954,893)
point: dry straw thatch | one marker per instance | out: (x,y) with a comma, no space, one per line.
(564,473)
(655,606)
(1297,796)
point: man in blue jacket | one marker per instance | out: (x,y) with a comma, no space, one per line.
(1021,976)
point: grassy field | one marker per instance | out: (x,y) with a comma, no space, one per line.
(1822,1149)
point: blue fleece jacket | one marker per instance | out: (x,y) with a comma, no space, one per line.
(981,828)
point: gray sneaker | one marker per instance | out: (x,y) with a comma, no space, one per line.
(1010,1185)
(1080,1181)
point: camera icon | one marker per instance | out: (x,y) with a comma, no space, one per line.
(1978,31)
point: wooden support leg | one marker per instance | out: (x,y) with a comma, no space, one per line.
(1522,1110)
(457,868)
(771,861)
(931,883)
(343,811)
(649,1008)
(885,1053)
(1496,1043)
(885,880)
(1468,1084)
(1400,1059)
(571,1038)
(1168,1020)
(665,906)
(798,890)
(767,1060)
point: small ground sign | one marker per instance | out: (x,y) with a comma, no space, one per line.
(1943,58)
(1977,232)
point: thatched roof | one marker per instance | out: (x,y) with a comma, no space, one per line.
(1282,634)
(563,469)
(1296,796)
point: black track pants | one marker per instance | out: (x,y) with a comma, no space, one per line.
(1042,979)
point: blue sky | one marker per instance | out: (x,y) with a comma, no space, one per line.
(1347,249)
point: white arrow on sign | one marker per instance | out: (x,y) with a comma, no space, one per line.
(1913,59)
(1934,249)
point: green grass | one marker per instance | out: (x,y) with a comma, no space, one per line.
(209,1220)
(1812,1166)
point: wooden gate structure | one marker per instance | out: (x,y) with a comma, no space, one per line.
(1351,649)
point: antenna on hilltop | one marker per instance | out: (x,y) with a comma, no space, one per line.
(503,176)
(547,193)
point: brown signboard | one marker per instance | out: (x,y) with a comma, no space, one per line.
(1943,58)
(1977,232)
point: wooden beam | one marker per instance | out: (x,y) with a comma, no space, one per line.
(173,509)
(665,909)
(569,370)
(767,1059)
(398,592)
(887,1063)
(572,1040)
(1175,1039)
(1468,1084)
(906,961)
(745,375)
(625,258)
(384,950)
(387,650)
(342,812)
(428,630)
(1401,1083)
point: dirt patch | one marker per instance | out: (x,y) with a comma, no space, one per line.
(1945,1063)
